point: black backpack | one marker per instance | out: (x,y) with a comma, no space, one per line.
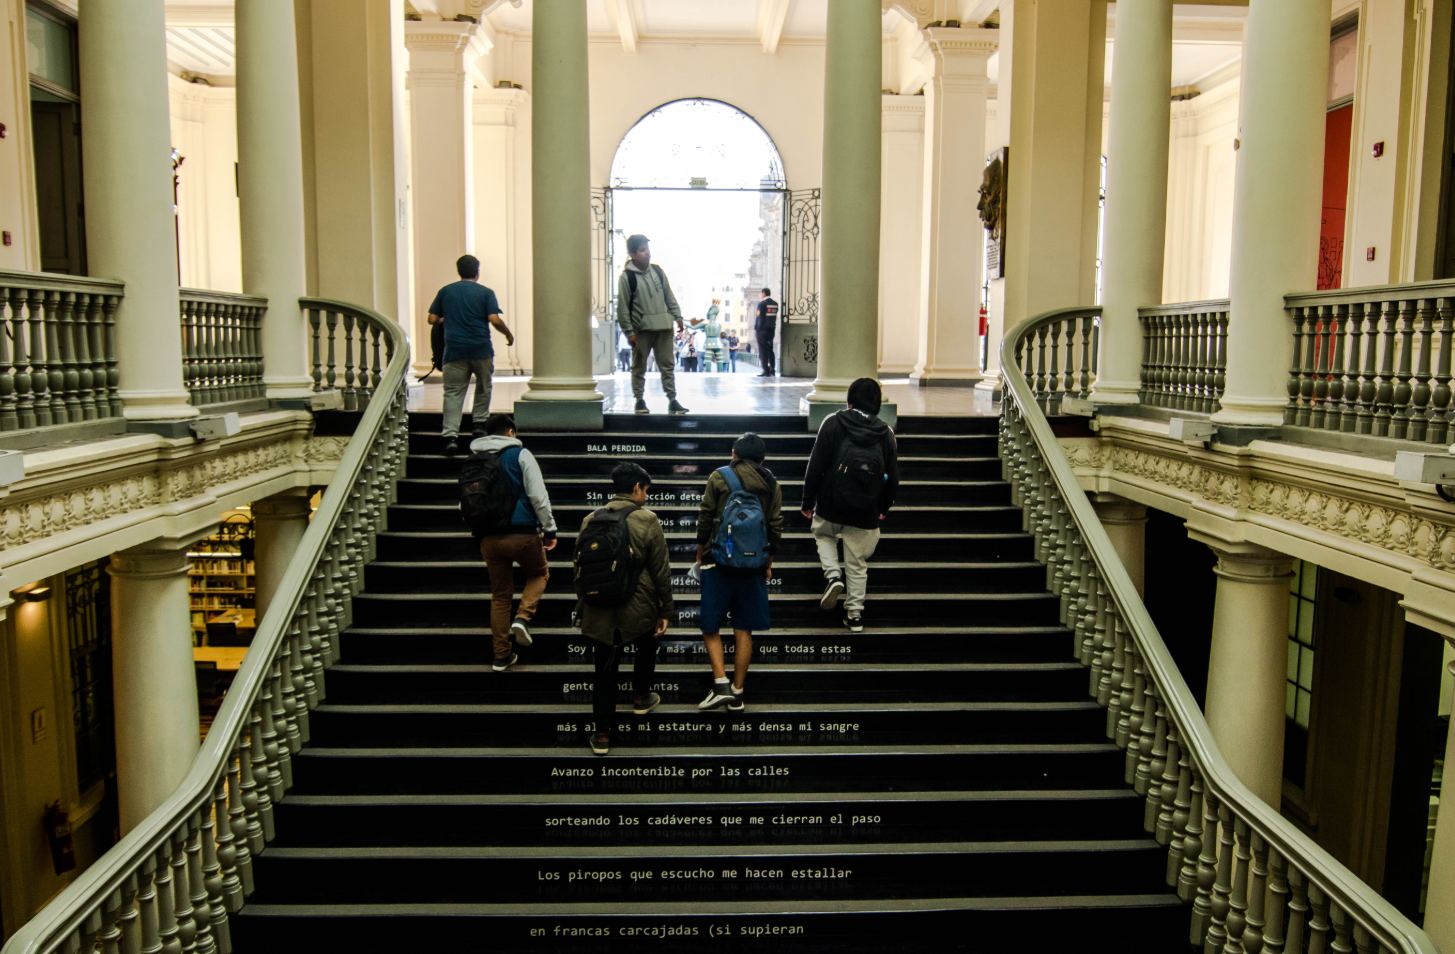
(487,497)
(606,565)
(857,477)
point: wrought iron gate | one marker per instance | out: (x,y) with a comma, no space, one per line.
(800,255)
(603,291)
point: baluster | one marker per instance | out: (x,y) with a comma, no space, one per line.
(1276,902)
(1068,383)
(1053,375)
(1352,317)
(1343,930)
(24,396)
(1295,370)
(283,725)
(1318,924)
(1173,371)
(1220,367)
(182,893)
(1403,391)
(298,673)
(210,875)
(1420,399)
(263,763)
(168,927)
(1316,391)
(146,907)
(226,371)
(1090,649)
(1136,715)
(216,353)
(55,360)
(330,373)
(85,307)
(251,793)
(113,372)
(1257,894)
(70,378)
(1364,942)
(1438,431)
(1202,379)
(1088,322)
(1038,362)
(204,367)
(1368,387)
(1238,900)
(189,350)
(1192,841)
(1217,933)
(1144,390)
(9,415)
(89,932)
(39,360)
(269,735)
(237,826)
(1172,795)
(1156,763)
(1298,910)
(351,397)
(237,350)
(1106,640)
(107,930)
(1384,395)
(197,890)
(1188,386)
(313,323)
(1310,363)
(1117,681)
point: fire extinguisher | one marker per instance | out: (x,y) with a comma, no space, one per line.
(58,830)
(984,321)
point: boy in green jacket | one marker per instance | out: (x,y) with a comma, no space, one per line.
(645,614)
(646,310)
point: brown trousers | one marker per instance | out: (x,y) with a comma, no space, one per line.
(499,553)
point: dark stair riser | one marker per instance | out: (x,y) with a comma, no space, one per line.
(791,610)
(784,468)
(983,519)
(781,725)
(628,446)
(591,492)
(574,771)
(363,647)
(311,877)
(472,576)
(401,543)
(656,423)
(832,820)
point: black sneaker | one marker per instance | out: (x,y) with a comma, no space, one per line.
(737,705)
(642,406)
(718,696)
(452,447)
(641,705)
(503,663)
(855,622)
(675,408)
(521,631)
(600,743)
(832,593)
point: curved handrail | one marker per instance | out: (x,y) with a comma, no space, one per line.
(194,851)
(1183,765)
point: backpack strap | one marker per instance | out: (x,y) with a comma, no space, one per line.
(631,298)
(735,486)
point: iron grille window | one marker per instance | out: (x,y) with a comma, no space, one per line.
(88,619)
(1299,687)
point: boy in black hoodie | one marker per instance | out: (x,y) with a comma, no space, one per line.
(853,475)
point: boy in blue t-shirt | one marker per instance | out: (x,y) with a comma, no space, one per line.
(467,309)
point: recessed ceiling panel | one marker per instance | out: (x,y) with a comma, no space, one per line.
(203,49)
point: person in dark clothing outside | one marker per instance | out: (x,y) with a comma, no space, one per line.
(743,593)
(847,495)
(531,532)
(646,309)
(640,621)
(766,328)
(467,309)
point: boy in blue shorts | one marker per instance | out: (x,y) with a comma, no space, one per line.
(735,553)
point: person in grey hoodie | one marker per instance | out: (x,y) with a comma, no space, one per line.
(646,309)
(530,533)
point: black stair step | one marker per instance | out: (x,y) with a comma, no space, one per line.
(475,874)
(350,684)
(947,424)
(788,609)
(917,518)
(700,466)
(627,445)
(654,423)
(560,821)
(595,491)
(666,769)
(438,576)
(404,544)
(567,725)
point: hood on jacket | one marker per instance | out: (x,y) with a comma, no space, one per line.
(495,442)
(862,428)
(631,266)
(756,478)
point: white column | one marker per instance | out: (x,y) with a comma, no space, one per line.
(153,678)
(900,232)
(279,523)
(502,214)
(1277,201)
(442,149)
(1135,235)
(1247,667)
(1440,898)
(270,187)
(952,267)
(130,229)
(562,391)
(850,238)
(1125,522)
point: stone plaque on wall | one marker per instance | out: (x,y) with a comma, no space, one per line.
(993,199)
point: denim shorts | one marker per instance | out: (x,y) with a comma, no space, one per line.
(745,598)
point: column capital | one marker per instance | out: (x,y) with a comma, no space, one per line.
(1115,509)
(149,561)
(287,505)
(957,51)
(902,113)
(1247,562)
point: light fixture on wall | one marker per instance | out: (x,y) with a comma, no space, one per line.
(32,593)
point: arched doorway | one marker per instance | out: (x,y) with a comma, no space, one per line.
(705,182)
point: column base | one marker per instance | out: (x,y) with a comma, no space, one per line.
(818,410)
(964,381)
(154,406)
(1252,411)
(289,388)
(1116,393)
(557,415)
(991,382)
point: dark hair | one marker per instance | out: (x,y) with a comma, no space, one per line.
(767,291)
(750,447)
(468,266)
(865,395)
(497,424)
(635,242)
(625,477)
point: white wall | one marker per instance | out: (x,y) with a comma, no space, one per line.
(204,131)
(1202,161)
(502,214)
(901,232)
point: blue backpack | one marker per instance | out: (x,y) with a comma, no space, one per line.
(741,541)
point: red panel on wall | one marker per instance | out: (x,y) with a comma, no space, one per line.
(1337,130)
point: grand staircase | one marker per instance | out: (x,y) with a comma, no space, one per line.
(940,782)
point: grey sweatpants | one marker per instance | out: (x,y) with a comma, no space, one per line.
(859,546)
(457,381)
(660,342)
